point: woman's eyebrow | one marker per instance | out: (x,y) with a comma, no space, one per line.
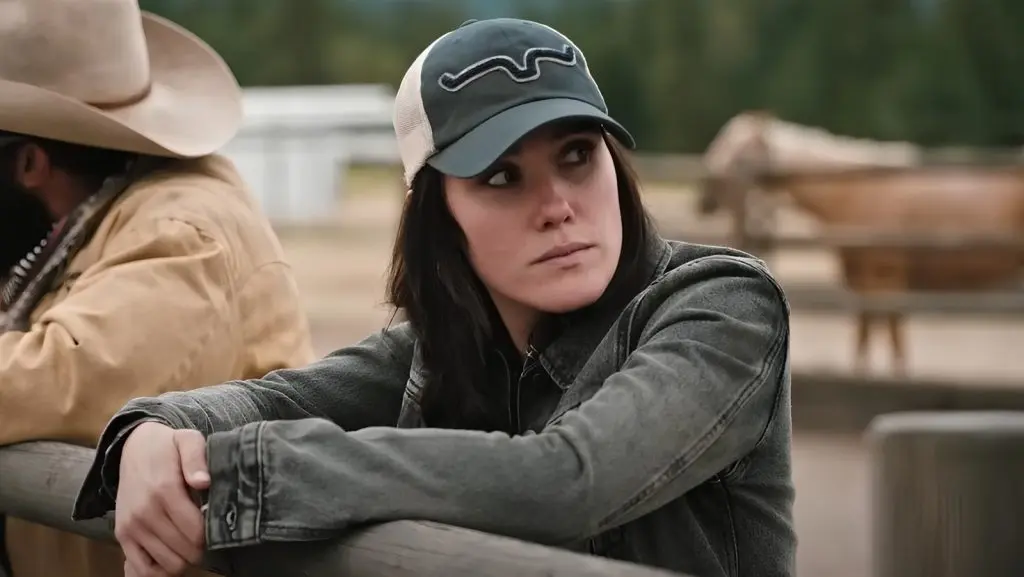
(566,130)
(560,132)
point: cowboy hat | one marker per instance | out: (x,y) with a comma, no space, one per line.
(104,73)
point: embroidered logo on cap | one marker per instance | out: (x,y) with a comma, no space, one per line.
(527,71)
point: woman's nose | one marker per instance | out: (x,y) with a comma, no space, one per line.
(555,208)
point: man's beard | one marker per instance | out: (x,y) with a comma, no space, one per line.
(24,223)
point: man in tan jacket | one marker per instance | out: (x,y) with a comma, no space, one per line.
(132,259)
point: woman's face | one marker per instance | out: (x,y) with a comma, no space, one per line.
(543,225)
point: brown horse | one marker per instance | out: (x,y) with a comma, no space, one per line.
(887,190)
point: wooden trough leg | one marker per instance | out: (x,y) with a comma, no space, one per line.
(948,494)
(860,362)
(899,353)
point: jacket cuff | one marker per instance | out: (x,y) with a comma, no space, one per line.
(98,493)
(236,486)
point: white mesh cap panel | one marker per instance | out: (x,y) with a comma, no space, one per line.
(412,127)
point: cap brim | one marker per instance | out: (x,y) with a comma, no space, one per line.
(481,147)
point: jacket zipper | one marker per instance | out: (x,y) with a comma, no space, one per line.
(514,399)
(508,381)
(514,393)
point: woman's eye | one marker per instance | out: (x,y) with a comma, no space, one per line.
(499,179)
(577,155)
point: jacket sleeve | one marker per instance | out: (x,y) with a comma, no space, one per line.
(135,323)
(696,395)
(356,387)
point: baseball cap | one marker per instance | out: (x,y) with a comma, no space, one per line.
(477,90)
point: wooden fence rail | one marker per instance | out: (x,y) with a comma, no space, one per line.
(948,500)
(822,299)
(948,494)
(834,238)
(39,482)
(864,237)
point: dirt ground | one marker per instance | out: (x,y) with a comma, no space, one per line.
(341,272)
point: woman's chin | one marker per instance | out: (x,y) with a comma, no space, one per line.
(568,297)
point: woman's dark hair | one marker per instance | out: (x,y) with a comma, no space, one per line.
(431,279)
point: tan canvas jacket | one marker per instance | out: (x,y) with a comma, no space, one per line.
(184,284)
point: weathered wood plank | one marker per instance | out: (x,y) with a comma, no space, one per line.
(39,482)
(847,402)
(859,237)
(948,494)
(805,298)
(866,237)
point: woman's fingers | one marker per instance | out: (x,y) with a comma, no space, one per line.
(160,552)
(157,524)
(154,540)
(182,528)
(191,447)
(138,563)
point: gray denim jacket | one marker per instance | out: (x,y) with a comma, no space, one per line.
(664,438)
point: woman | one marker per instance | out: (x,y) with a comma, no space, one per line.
(559,357)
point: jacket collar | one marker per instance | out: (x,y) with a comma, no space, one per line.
(566,342)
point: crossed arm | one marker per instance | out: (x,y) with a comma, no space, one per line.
(287,463)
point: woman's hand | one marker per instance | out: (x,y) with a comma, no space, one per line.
(159,526)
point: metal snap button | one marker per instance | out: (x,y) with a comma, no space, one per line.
(231,516)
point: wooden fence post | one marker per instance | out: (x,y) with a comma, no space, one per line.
(948,494)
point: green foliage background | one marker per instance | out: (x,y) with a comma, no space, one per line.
(937,72)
